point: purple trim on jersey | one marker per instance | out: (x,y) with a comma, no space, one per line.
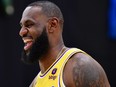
(54,63)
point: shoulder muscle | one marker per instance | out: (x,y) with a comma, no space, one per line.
(85,72)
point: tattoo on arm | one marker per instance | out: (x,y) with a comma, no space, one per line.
(88,74)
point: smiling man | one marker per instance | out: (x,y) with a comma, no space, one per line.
(41,31)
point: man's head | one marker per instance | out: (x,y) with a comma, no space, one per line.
(49,9)
(41,28)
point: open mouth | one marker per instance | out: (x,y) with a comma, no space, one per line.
(28,43)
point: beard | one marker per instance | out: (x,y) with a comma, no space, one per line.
(39,48)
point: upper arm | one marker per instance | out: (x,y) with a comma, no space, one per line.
(84,72)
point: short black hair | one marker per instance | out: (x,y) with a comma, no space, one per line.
(50,9)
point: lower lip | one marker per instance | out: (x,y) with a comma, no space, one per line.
(28,46)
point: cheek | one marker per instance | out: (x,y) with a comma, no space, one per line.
(35,33)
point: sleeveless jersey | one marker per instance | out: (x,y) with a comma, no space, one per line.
(53,75)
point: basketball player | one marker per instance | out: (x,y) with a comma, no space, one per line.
(41,31)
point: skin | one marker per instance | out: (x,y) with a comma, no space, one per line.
(83,71)
(32,15)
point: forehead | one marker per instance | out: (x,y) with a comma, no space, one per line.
(32,13)
(32,10)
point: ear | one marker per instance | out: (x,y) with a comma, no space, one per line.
(53,24)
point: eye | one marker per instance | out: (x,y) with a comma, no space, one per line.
(29,25)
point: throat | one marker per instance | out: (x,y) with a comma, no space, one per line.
(46,62)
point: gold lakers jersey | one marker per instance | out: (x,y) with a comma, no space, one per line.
(53,75)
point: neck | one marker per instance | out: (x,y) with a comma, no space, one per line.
(47,60)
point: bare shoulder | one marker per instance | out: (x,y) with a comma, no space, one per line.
(84,71)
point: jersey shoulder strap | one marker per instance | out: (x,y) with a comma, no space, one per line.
(67,56)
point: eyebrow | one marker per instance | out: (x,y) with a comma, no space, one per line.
(29,20)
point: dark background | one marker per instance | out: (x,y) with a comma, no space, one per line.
(85,27)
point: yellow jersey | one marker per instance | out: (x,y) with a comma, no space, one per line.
(53,75)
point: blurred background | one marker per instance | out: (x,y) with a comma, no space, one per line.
(89,25)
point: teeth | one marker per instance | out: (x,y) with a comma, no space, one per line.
(27,40)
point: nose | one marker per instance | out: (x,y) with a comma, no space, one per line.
(23,31)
